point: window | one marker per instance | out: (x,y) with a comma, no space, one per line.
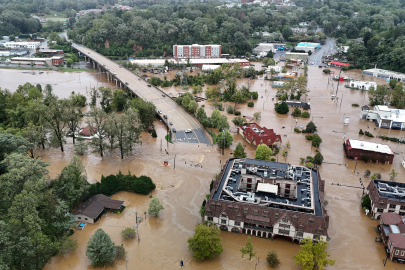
(393,205)
(311,220)
(380,210)
(85,218)
(245,210)
(224,215)
(286,226)
(79,218)
(236,209)
(237,223)
(300,234)
(300,227)
(294,218)
(316,237)
(287,191)
(223,221)
(265,214)
(402,213)
(285,220)
(396,252)
(319,230)
(276,215)
(239,217)
(402,253)
(218,206)
(402,207)
(284,232)
(255,212)
(208,211)
(287,185)
(230,208)
(210,219)
(249,185)
(249,180)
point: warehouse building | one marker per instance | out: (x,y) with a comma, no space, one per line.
(385,74)
(385,117)
(362,150)
(196,51)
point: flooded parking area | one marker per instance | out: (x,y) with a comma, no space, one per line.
(183,184)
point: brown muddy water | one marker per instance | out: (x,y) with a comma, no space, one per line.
(163,239)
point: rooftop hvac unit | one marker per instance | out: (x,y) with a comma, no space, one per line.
(265,174)
(250,200)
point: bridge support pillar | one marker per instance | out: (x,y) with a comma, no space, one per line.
(120,85)
(116,82)
(108,76)
(94,64)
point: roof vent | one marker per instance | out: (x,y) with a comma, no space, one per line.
(377,146)
(362,144)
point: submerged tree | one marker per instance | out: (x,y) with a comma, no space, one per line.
(100,249)
(205,243)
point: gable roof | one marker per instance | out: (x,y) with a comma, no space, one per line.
(397,240)
(85,131)
(268,136)
(390,218)
(96,204)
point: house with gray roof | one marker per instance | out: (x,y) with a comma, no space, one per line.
(92,209)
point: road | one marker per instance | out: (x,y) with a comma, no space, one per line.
(175,113)
(326,49)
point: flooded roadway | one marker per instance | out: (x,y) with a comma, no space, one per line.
(163,240)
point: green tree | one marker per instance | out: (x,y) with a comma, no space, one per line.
(97,124)
(311,128)
(154,207)
(393,175)
(215,116)
(192,106)
(248,249)
(80,148)
(206,242)
(119,100)
(120,252)
(72,185)
(316,140)
(106,98)
(256,115)
(72,117)
(55,117)
(230,109)
(318,158)
(313,254)
(272,258)
(366,202)
(128,233)
(238,121)
(296,112)
(282,108)
(147,111)
(224,140)
(263,152)
(239,151)
(222,123)
(100,249)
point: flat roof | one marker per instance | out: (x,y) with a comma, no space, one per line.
(369,146)
(297,53)
(383,71)
(394,191)
(269,188)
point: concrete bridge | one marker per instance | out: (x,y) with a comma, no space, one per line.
(180,119)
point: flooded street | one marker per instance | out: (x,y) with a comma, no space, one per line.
(163,239)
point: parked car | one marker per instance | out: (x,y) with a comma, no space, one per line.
(188,131)
(174,130)
(159,112)
(171,123)
(126,83)
(165,116)
(149,85)
(163,95)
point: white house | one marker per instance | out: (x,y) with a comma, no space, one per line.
(362,85)
(385,117)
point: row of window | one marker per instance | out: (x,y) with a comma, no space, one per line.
(81,218)
(397,252)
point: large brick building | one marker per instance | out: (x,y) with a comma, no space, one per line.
(268,199)
(362,150)
(392,231)
(255,135)
(386,196)
(196,51)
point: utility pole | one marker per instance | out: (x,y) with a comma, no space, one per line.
(174,161)
(136,216)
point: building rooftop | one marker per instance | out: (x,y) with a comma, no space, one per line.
(96,204)
(259,134)
(391,190)
(307,200)
(369,146)
(397,240)
(389,218)
(383,71)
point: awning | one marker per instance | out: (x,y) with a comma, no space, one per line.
(339,64)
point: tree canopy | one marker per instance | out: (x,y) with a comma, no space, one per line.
(205,243)
(263,152)
(313,254)
(100,249)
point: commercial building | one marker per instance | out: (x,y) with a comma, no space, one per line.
(338,64)
(293,55)
(362,85)
(392,231)
(18,52)
(301,30)
(255,135)
(91,210)
(385,117)
(196,51)
(386,74)
(52,61)
(49,52)
(209,67)
(362,150)
(264,47)
(268,199)
(276,69)
(309,44)
(386,197)
(22,45)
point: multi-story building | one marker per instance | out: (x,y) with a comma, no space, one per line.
(255,135)
(362,85)
(362,150)
(51,61)
(392,231)
(385,117)
(386,197)
(385,74)
(196,51)
(268,199)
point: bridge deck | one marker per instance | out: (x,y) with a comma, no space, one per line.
(181,119)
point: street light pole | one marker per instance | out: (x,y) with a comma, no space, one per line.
(223,138)
(136,216)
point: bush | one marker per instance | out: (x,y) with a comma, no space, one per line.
(296,112)
(250,104)
(128,233)
(309,165)
(272,258)
(230,109)
(316,140)
(311,159)
(318,159)
(237,113)
(305,115)
(361,132)
(355,105)
(326,71)
(366,202)
(254,95)
(120,252)
(154,135)
(367,173)
(309,137)
(368,134)
(297,130)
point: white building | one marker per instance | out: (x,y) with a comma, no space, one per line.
(264,47)
(362,85)
(385,117)
(22,45)
(209,67)
(275,68)
(386,74)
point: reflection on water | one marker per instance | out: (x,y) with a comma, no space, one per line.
(163,239)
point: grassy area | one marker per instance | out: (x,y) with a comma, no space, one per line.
(73,69)
(214,137)
(168,138)
(25,68)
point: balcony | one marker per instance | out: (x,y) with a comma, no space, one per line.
(257,228)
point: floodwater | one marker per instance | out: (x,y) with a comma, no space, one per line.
(182,186)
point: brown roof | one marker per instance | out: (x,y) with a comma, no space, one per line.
(268,137)
(390,218)
(397,240)
(401,227)
(85,131)
(96,204)
(235,211)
